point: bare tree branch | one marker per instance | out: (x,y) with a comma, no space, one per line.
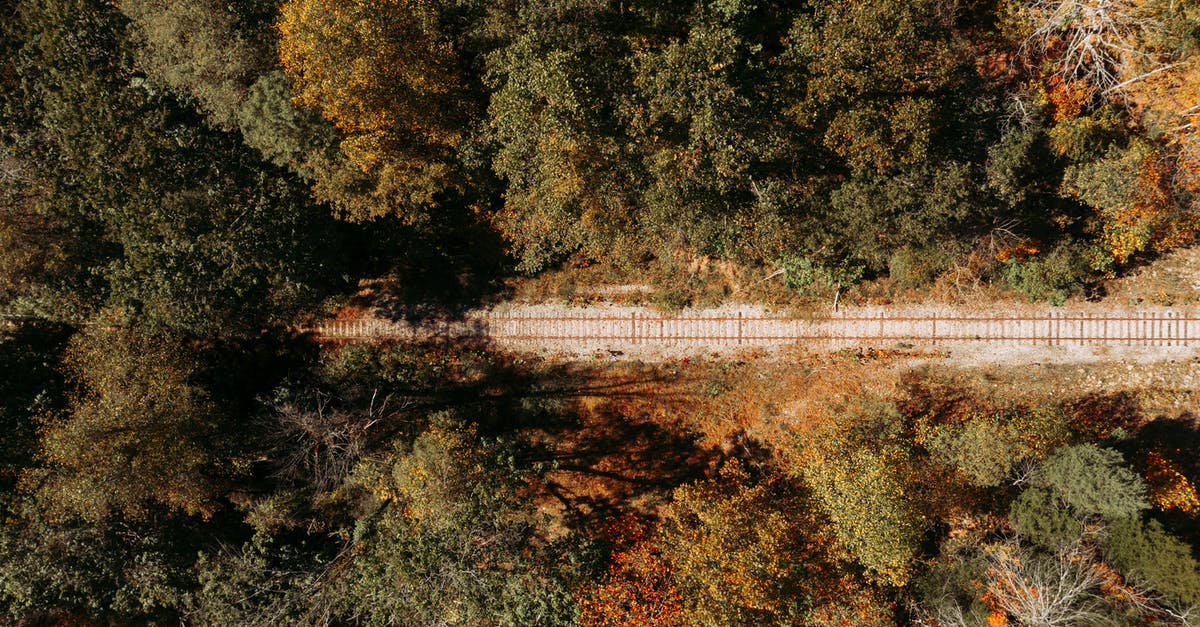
(1095,42)
(1058,589)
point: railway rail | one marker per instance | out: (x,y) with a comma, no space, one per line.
(646,328)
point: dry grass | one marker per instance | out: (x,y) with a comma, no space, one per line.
(1171,280)
(689,281)
(685,280)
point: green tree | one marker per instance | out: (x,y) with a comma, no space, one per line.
(879,73)
(558,77)
(200,50)
(707,119)
(1093,480)
(861,474)
(173,223)
(282,132)
(986,449)
(41,261)
(54,572)
(138,433)
(876,523)
(259,583)
(1041,517)
(30,386)
(874,214)
(448,540)
(1148,555)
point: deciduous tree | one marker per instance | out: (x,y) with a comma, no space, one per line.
(387,75)
(138,434)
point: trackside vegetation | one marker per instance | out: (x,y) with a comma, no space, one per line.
(186,183)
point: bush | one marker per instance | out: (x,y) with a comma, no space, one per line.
(948,591)
(671,299)
(1146,553)
(1042,518)
(1093,480)
(809,278)
(918,267)
(983,449)
(1054,276)
(876,524)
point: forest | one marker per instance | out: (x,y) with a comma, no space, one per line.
(186,184)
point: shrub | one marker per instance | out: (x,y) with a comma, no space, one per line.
(809,278)
(917,267)
(1042,518)
(1146,553)
(1053,277)
(1093,480)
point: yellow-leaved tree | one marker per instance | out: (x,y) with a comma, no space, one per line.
(386,74)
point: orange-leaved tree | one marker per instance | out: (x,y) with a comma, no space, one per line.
(639,589)
(731,550)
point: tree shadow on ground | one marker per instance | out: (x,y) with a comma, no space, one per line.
(613,465)
(1097,415)
(604,437)
(603,449)
(1176,440)
(432,273)
(607,451)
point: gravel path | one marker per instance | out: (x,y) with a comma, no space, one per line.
(1017,333)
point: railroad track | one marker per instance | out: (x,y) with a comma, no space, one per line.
(531,328)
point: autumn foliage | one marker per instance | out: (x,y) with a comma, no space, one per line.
(638,588)
(386,75)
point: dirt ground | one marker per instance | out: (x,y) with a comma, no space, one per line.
(1172,280)
(644,428)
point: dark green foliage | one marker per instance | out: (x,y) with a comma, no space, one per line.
(449,540)
(282,132)
(1043,519)
(949,589)
(1016,166)
(878,75)
(1148,555)
(985,449)
(876,214)
(54,572)
(557,81)
(197,49)
(846,132)
(806,277)
(162,217)
(708,128)
(259,583)
(1093,480)
(169,176)
(1051,276)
